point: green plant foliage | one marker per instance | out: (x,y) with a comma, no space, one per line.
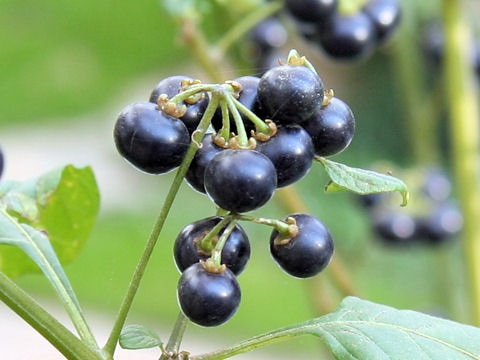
(362,330)
(138,337)
(63,204)
(361,181)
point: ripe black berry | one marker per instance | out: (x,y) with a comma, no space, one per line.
(385,15)
(208,299)
(240,180)
(437,185)
(1,162)
(289,94)
(395,228)
(196,172)
(309,252)
(348,36)
(311,10)
(443,223)
(172,86)
(331,128)
(248,97)
(187,250)
(269,34)
(291,152)
(149,139)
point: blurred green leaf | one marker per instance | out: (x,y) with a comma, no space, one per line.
(63,203)
(362,330)
(138,337)
(361,181)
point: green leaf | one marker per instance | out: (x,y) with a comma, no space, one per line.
(138,337)
(362,330)
(62,203)
(361,181)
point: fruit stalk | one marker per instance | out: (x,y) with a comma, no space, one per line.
(112,341)
(462,98)
(176,336)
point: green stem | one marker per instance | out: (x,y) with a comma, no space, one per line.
(192,90)
(217,252)
(111,344)
(206,243)
(225,130)
(62,288)
(462,97)
(281,226)
(242,27)
(46,325)
(242,134)
(418,111)
(260,125)
(176,336)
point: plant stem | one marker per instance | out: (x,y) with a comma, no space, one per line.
(464,116)
(217,252)
(207,243)
(242,134)
(281,226)
(260,125)
(176,336)
(44,323)
(111,344)
(242,27)
(225,130)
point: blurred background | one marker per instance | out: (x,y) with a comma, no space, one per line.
(69,67)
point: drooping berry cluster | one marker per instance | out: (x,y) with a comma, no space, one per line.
(435,218)
(291,119)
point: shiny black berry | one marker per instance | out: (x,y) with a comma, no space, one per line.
(437,185)
(369,201)
(196,172)
(395,228)
(331,128)
(289,94)
(188,249)
(240,180)
(309,252)
(248,97)
(208,299)
(149,139)
(311,10)
(385,15)
(443,223)
(172,86)
(269,34)
(348,36)
(291,152)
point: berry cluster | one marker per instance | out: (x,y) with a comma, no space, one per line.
(239,173)
(345,36)
(435,219)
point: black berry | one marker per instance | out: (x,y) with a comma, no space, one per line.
(240,180)
(172,86)
(385,15)
(443,223)
(1,162)
(331,128)
(291,152)
(395,228)
(290,94)
(311,10)
(348,36)
(269,34)
(187,249)
(149,139)
(208,299)
(437,185)
(196,172)
(309,252)
(248,97)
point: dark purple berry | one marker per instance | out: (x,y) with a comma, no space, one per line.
(248,97)
(311,10)
(269,34)
(348,36)
(188,250)
(385,15)
(291,152)
(395,228)
(369,201)
(196,172)
(309,252)
(149,139)
(1,162)
(443,223)
(437,185)
(240,180)
(289,94)
(172,86)
(331,128)
(208,299)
